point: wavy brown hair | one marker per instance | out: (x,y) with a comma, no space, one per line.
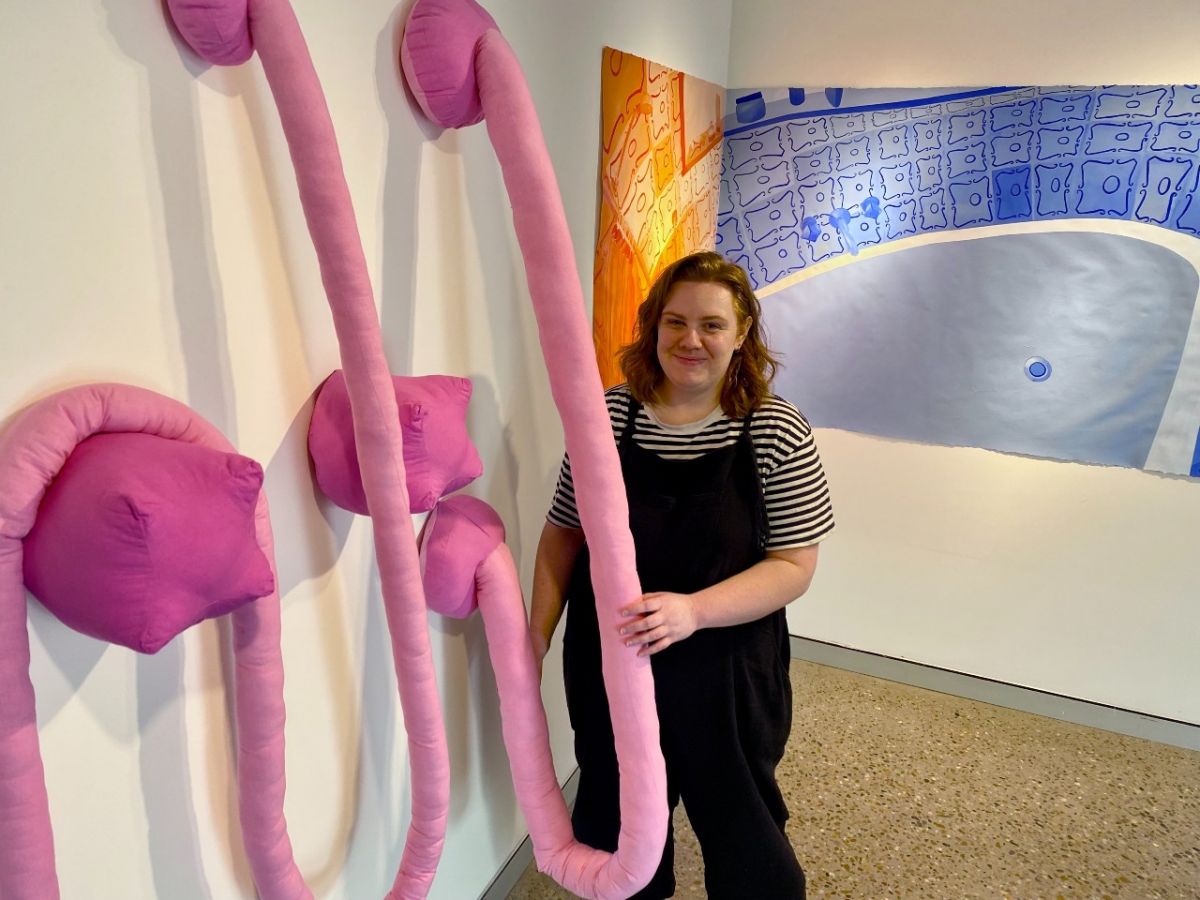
(748,380)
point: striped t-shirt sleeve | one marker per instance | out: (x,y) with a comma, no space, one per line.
(563,511)
(799,509)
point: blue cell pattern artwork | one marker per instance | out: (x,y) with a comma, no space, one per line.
(809,175)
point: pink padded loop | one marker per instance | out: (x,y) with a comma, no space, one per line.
(581,869)
(330,217)
(32,450)
(567,347)
(217,30)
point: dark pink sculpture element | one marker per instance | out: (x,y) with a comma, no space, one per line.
(439,457)
(467,564)
(33,451)
(457,64)
(139,538)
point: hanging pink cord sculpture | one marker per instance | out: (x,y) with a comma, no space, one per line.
(226,33)
(467,565)
(461,70)
(32,451)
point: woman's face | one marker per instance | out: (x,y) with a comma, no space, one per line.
(697,334)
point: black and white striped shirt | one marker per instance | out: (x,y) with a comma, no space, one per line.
(799,512)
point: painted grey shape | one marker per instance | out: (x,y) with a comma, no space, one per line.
(929,344)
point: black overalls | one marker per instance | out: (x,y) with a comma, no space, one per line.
(723,695)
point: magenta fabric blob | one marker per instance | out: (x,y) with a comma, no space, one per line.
(140,537)
(437,55)
(218,30)
(460,534)
(439,457)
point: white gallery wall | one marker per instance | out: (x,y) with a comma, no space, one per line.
(1076,579)
(152,235)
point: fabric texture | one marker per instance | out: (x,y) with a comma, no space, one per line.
(439,457)
(462,551)
(139,537)
(437,56)
(218,30)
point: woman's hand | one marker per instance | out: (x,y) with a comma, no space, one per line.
(657,621)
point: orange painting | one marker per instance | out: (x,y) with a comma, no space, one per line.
(660,171)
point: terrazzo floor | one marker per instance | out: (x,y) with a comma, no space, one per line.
(899,792)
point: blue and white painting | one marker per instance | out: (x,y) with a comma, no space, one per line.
(1015,268)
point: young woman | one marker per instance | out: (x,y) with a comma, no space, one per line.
(727,503)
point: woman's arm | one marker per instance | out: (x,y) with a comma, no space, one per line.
(662,619)
(557,550)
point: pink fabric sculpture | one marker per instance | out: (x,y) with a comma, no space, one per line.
(461,70)
(35,449)
(439,457)
(270,27)
(139,538)
(227,32)
(480,78)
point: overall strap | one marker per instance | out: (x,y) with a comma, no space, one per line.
(763,522)
(632,407)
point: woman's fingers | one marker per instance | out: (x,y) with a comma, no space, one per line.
(642,624)
(658,620)
(644,605)
(652,632)
(650,649)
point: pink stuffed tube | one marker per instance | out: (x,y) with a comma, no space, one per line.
(32,451)
(467,564)
(459,66)
(272,30)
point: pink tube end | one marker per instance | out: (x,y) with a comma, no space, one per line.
(437,56)
(217,30)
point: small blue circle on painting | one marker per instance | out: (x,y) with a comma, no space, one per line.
(1037,369)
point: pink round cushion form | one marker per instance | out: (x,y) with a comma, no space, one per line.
(439,457)
(140,537)
(437,56)
(567,347)
(325,198)
(33,449)
(468,564)
(461,532)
